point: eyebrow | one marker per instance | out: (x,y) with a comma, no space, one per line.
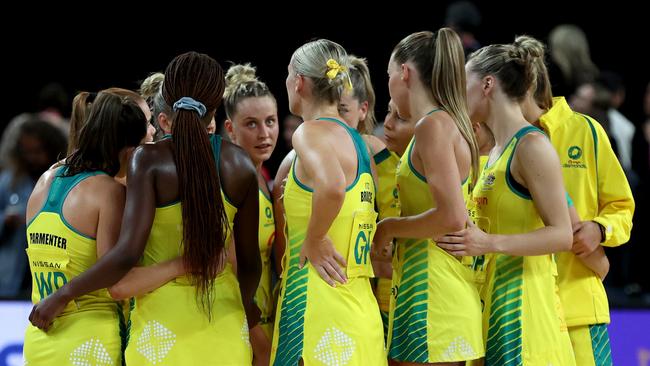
(255,119)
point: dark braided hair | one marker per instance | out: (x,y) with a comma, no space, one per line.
(205,223)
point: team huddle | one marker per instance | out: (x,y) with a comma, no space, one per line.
(471,234)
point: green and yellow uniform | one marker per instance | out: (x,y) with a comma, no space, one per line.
(168,326)
(435,314)
(388,206)
(264,295)
(522,317)
(87,332)
(316,322)
(479,263)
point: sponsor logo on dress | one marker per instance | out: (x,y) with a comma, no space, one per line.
(488,182)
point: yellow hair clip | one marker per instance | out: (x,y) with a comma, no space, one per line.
(333,69)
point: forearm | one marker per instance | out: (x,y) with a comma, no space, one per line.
(596,261)
(382,268)
(108,270)
(247,250)
(429,224)
(546,240)
(261,346)
(141,280)
(248,282)
(280,241)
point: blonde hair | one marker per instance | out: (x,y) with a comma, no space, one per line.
(516,65)
(440,60)
(242,83)
(310,60)
(570,51)
(151,86)
(542,94)
(363,91)
(151,91)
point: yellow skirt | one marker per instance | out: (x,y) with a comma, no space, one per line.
(324,325)
(382,293)
(264,299)
(591,345)
(435,312)
(169,328)
(523,321)
(79,338)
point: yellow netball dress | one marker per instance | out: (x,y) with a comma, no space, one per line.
(478,263)
(435,312)
(264,294)
(321,324)
(387,197)
(168,327)
(522,320)
(88,330)
(388,206)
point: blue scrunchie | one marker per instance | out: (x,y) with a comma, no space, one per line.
(190,104)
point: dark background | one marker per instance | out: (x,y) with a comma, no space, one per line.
(119,44)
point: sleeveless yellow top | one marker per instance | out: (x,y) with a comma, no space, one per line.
(435,313)
(522,317)
(168,327)
(58,253)
(316,322)
(266,233)
(167,228)
(387,195)
(388,206)
(166,234)
(479,263)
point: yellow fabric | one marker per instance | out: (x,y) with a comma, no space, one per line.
(388,206)
(57,254)
(435,313)
(387,194)
(266,232)
(314,321)
(522,320)
(76,338)
(52,266)
(581,341)
(591,345)
(479,263)
(382,292)
(595,181)
(167,325)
